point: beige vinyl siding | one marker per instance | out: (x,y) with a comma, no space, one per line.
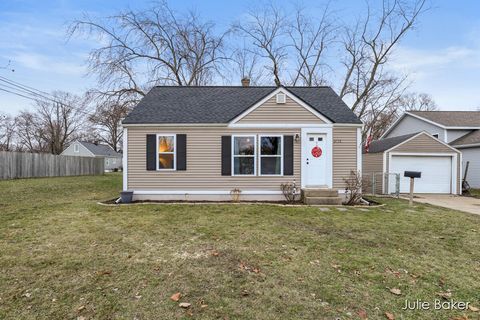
(426,144)
(271,112)
(344,155)
(203,162)
(422,143)
(373,164)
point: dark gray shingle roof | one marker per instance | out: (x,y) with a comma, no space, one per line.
(385,144)
(221,104)
(100,149)
(470,138)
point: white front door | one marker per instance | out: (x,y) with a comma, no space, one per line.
(315,160)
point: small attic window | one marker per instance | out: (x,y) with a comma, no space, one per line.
(281,98)
(76,148)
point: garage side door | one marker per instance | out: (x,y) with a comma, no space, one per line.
(436,173)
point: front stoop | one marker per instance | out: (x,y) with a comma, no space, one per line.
(321,196)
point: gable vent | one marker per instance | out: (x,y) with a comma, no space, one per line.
(281,98)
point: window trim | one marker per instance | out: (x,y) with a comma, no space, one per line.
(254,136)
(260,136)
(174,151)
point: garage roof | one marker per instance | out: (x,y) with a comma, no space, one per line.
(385,144)
(471,138)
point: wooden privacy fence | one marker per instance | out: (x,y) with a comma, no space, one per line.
(16,165)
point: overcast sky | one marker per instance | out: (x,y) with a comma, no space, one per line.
(442,55)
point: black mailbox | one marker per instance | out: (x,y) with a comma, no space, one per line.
(412,174)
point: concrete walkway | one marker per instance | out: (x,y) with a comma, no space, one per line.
(466,204)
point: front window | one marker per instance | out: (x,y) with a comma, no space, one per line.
(271,155)
(244,152)
(166,152)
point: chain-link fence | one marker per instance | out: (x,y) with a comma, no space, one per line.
(382,183)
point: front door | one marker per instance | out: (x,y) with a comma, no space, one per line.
(315,160)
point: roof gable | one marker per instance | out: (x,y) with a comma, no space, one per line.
(222,104)
(268,110)
(423,139)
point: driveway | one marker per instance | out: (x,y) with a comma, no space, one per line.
(466,204)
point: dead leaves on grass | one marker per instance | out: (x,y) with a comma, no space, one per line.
(362,314)
(175,297)
(389,316)
(244,267)
(395,291)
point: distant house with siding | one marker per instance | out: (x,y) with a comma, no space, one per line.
(113,159)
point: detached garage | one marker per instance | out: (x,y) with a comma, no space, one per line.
(439,163)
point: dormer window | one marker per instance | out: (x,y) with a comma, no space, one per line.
(281,98)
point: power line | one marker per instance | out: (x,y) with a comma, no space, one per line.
(29,93)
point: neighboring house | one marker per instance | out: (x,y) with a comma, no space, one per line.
(460,129)
(113,159)
(200,143)
(438,162)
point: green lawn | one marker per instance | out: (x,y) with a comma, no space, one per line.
(63,256)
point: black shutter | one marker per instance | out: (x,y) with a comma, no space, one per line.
(226,155)
(288,155)
(151,152)
(181,152)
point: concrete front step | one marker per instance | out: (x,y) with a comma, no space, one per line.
(323,200)
(308,192)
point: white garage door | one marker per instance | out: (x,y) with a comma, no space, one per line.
(436,173)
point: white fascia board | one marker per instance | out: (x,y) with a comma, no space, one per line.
(293,125)
(461,146)
(420,133)
(272,94)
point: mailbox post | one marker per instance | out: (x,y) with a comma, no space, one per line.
(412,175)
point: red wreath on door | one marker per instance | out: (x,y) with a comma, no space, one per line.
(316,151)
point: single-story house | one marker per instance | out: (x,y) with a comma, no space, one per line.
(113,159)
(460,129)
(202,143)
(439,163)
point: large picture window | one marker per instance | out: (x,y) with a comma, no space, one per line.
(271,155)
(166,152)
(244,152)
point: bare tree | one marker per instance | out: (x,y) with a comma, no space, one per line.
(60,121)
(379,118)
(30,132)
(368,46)
(310,38)
(246,65)
(266,29)
(151,47)
(7,132)
(107,122)
(415,101)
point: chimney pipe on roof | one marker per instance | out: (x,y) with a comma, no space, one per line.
(245,82)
